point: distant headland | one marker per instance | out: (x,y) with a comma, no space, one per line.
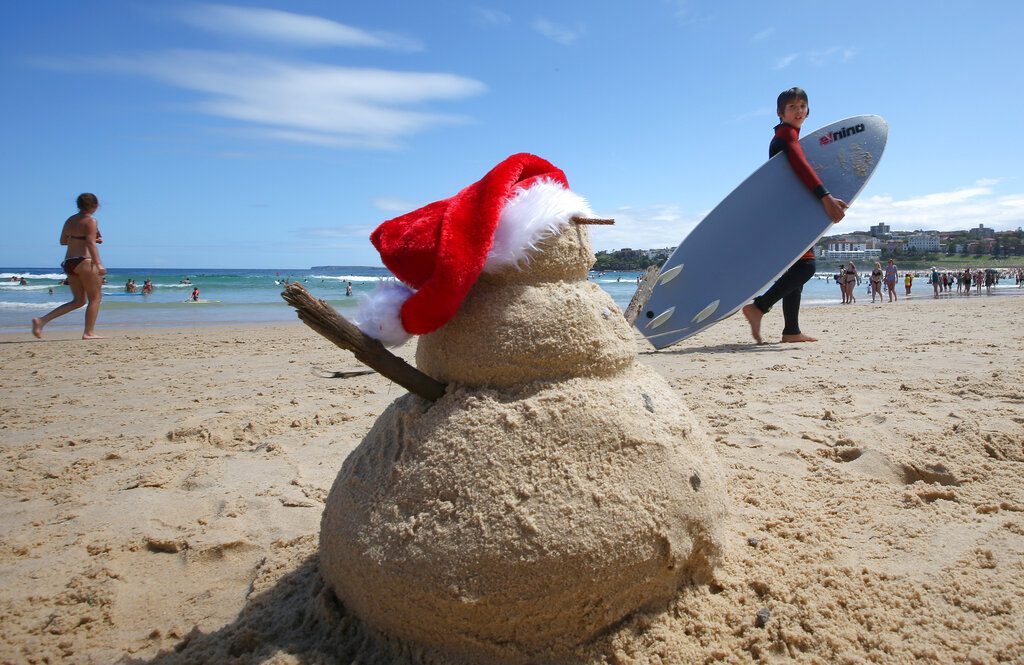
(910,249)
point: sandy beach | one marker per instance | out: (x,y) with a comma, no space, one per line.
(162,493)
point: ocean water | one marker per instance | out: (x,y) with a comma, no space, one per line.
(245,296)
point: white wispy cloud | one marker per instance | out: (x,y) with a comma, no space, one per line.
(350,241)
(644,227)
(488,16)
(683,11)
(390,204)
(763,112)
(962,208)
(786,61)
(817,58)
(289,28)
(830,55)
(342,232)
(558,33)
(666,225)
(944,198)
(763,35)
(301,101)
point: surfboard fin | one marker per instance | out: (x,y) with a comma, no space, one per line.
(670,274)
(661,318)
(706,312)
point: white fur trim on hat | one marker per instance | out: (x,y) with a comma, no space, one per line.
(380,313)
(530,216)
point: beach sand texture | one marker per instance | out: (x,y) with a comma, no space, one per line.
(162,493)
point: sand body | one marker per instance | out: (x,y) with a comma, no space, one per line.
(557,487)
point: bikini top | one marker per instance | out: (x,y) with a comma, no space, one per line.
(99,236)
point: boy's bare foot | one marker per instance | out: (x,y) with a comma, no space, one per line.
(37,328)
(754,316)
(799,338)
(92,336)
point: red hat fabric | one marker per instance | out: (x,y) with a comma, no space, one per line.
(440,249)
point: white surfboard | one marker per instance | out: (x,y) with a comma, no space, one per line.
(758,231)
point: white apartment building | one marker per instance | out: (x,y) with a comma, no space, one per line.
(923,241)
(850,251)
(856,255)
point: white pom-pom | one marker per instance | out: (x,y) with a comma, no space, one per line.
(530,216)
(380,313)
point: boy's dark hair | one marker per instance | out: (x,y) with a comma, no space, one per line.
(786,96)
(87,201)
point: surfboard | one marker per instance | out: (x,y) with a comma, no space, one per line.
(199,302)
(749,239)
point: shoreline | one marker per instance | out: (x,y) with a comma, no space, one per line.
(162,491)
(11,323)
(238,297)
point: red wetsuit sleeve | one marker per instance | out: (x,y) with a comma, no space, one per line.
(787,139)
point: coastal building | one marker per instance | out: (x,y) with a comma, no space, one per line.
(983,246)
(659,254)
(923,241)
(857,255)
(894,245)
(880,230)
(982,232)
(850,251)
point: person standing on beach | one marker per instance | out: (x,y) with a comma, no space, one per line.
(934,279)
(852,279)
(876,282)
(890,280)
(82,265)
(792,109)
(908,281)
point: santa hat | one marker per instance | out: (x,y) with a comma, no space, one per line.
(439,251)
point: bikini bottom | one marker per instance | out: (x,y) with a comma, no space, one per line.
(70,264)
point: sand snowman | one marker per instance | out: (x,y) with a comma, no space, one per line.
(558,485)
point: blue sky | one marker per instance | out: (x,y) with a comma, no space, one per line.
(279,134)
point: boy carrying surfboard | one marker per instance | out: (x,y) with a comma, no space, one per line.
(792,109)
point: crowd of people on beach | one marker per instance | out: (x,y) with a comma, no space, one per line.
(942,281)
